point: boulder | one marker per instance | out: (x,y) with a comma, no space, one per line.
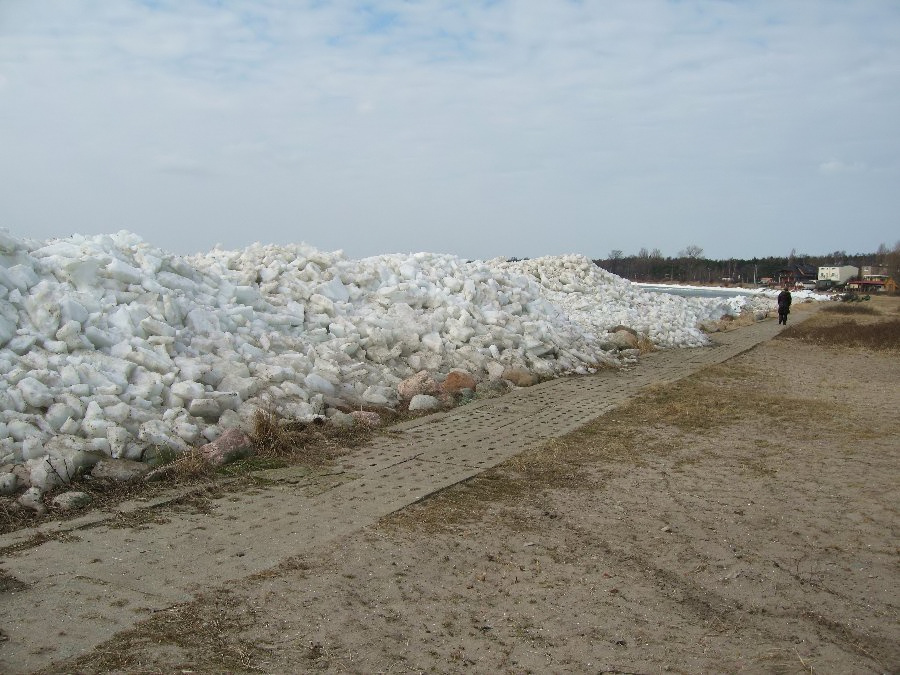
(424,402)
(495,371)
(457,380)
(619,340)
(420,383)
(119,470)
(70,501)
(341,419)
(231,446)
(521,377)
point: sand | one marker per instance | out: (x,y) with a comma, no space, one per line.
(741,520)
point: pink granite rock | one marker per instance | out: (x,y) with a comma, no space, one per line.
(519,376)
(456,380)
(231,446)
(420,383)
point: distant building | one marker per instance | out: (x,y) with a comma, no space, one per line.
(796,275)
(873,271)
(877,284)
(866,285)
(838,275)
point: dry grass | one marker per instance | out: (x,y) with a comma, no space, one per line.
(879,336)
(845,308)
(310,443)
(645,344)
(9,583)
(201,631)
(520,481)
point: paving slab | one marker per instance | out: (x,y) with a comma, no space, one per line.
(80,582)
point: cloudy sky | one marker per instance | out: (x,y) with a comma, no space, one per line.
(493,128)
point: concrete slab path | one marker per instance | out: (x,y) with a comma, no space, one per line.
(71,585)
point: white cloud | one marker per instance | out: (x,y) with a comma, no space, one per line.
(838,166)
(177,164)
(474,129)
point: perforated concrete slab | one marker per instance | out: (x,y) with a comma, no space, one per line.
(100,577)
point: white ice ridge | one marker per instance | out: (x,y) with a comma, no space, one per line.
(108,344)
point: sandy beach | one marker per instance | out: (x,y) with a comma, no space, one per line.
(740,520)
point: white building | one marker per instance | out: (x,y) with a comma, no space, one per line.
(838,275)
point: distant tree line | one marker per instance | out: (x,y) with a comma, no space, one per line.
(690,265)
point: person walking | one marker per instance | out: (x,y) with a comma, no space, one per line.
(784,306)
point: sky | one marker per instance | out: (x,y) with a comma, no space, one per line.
(481,129)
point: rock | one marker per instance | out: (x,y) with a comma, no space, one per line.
(710,326)
(8,483)
(628,337)
(369,419)
(119,470)
(424,402)
(341,419)
(465,396)
(70,501)
(519,376)
(494,370)
(456,380)
(231,446)
(32,500)
(623,329)
(420,383)
(619,340)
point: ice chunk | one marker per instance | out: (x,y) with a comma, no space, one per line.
(35,393)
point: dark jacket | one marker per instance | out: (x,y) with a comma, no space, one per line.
(784,302)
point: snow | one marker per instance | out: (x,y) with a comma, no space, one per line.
(109,345)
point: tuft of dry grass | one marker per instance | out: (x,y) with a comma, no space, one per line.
(645,344)
(198,634)
(880,336)
(308,442)
(845,308)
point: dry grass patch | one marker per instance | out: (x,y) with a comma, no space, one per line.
(306,442)
(519,482)
(645,344)
(845,308)
(199,635)
(460,504)
(877,336)
(9,583)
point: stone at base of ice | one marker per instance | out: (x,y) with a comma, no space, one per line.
(9,482)
(340,419)
(71,501)
(32,499)
(119,470)
(423,402)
